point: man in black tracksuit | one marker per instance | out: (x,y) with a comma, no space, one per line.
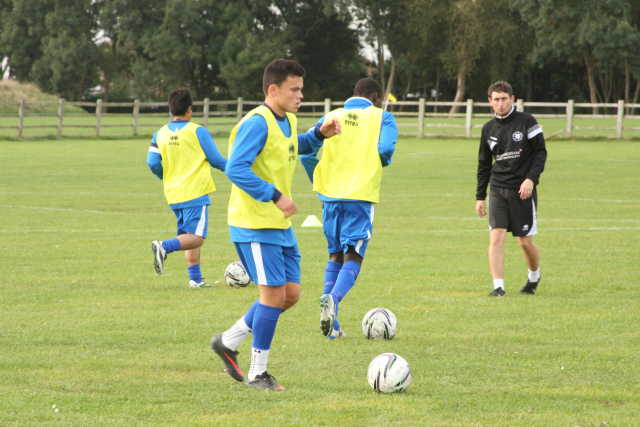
(511,157)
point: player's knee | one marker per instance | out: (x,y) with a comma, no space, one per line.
(525,242)
(291,299)
(337,257)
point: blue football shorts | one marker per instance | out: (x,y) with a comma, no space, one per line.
(193,220)
(268,264)
(347,224)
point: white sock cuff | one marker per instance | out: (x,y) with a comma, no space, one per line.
(233,337)
(533,276)
(259,360)
(498,283)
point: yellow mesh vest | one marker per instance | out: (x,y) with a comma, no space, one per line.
(186,173)
(275,164)
(350,166)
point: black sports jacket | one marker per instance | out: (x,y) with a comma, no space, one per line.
(511,149)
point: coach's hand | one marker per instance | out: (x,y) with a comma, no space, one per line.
(526,189)
(481,209)
(287,206)
(330,128)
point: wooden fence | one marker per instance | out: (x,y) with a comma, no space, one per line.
(420,118)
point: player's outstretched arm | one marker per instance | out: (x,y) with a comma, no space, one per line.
(330,128)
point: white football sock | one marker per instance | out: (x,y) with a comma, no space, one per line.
(498,283)
(233,337)
(534,276)
(259,360)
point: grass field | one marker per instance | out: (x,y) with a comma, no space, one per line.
(91,336)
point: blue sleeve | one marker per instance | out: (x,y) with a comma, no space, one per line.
(249,142)
(311,140)
(154,159)
(388,137)
(210,149)
(309,145)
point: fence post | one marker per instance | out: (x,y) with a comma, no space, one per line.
(569,125)
(469,116)
(98,116)
(520,105)
(620,119)
(205,112)
(239,109)
(327,105)
(60,116)
(20,118)
(421,118)
(136,116)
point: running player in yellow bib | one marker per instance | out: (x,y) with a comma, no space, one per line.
(181,155)
(347,179)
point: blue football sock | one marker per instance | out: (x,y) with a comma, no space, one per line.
(171,245)
(194,273)
(248,318)
(345,281)
(330,276)
(265,320)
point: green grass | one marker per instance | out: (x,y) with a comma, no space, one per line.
(88,327)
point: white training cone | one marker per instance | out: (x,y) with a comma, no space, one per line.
(311,221)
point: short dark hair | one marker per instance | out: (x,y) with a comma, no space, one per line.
(367,88)
(278,71)
(180,101)
(500,86)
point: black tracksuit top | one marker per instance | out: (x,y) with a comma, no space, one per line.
(511,149)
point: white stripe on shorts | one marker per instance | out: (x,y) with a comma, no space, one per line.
(256,251)
(534,224)
(153,149)
(202,222)
(358,246)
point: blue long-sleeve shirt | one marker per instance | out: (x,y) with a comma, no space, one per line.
(386,141)
(249,142)
(215,159)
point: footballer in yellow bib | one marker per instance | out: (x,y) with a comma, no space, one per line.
(181,155)
(263,151)
(347,179)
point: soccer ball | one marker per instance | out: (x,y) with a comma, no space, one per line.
(389,373)
(379,323)
(236,276)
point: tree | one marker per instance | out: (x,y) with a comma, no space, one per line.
(51,43)
(377,19)
(595,33)
(21,34)
(312,32)
(322,41)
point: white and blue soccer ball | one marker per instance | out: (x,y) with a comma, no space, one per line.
(379,323)
(389,373)
(236,275)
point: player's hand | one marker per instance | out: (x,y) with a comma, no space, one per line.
(481,209)
(526,189)
(287,206)
(330,128)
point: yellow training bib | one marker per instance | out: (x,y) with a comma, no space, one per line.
(275,164)
(350,166)
(186,173)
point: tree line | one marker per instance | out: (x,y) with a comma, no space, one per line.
(445,49)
